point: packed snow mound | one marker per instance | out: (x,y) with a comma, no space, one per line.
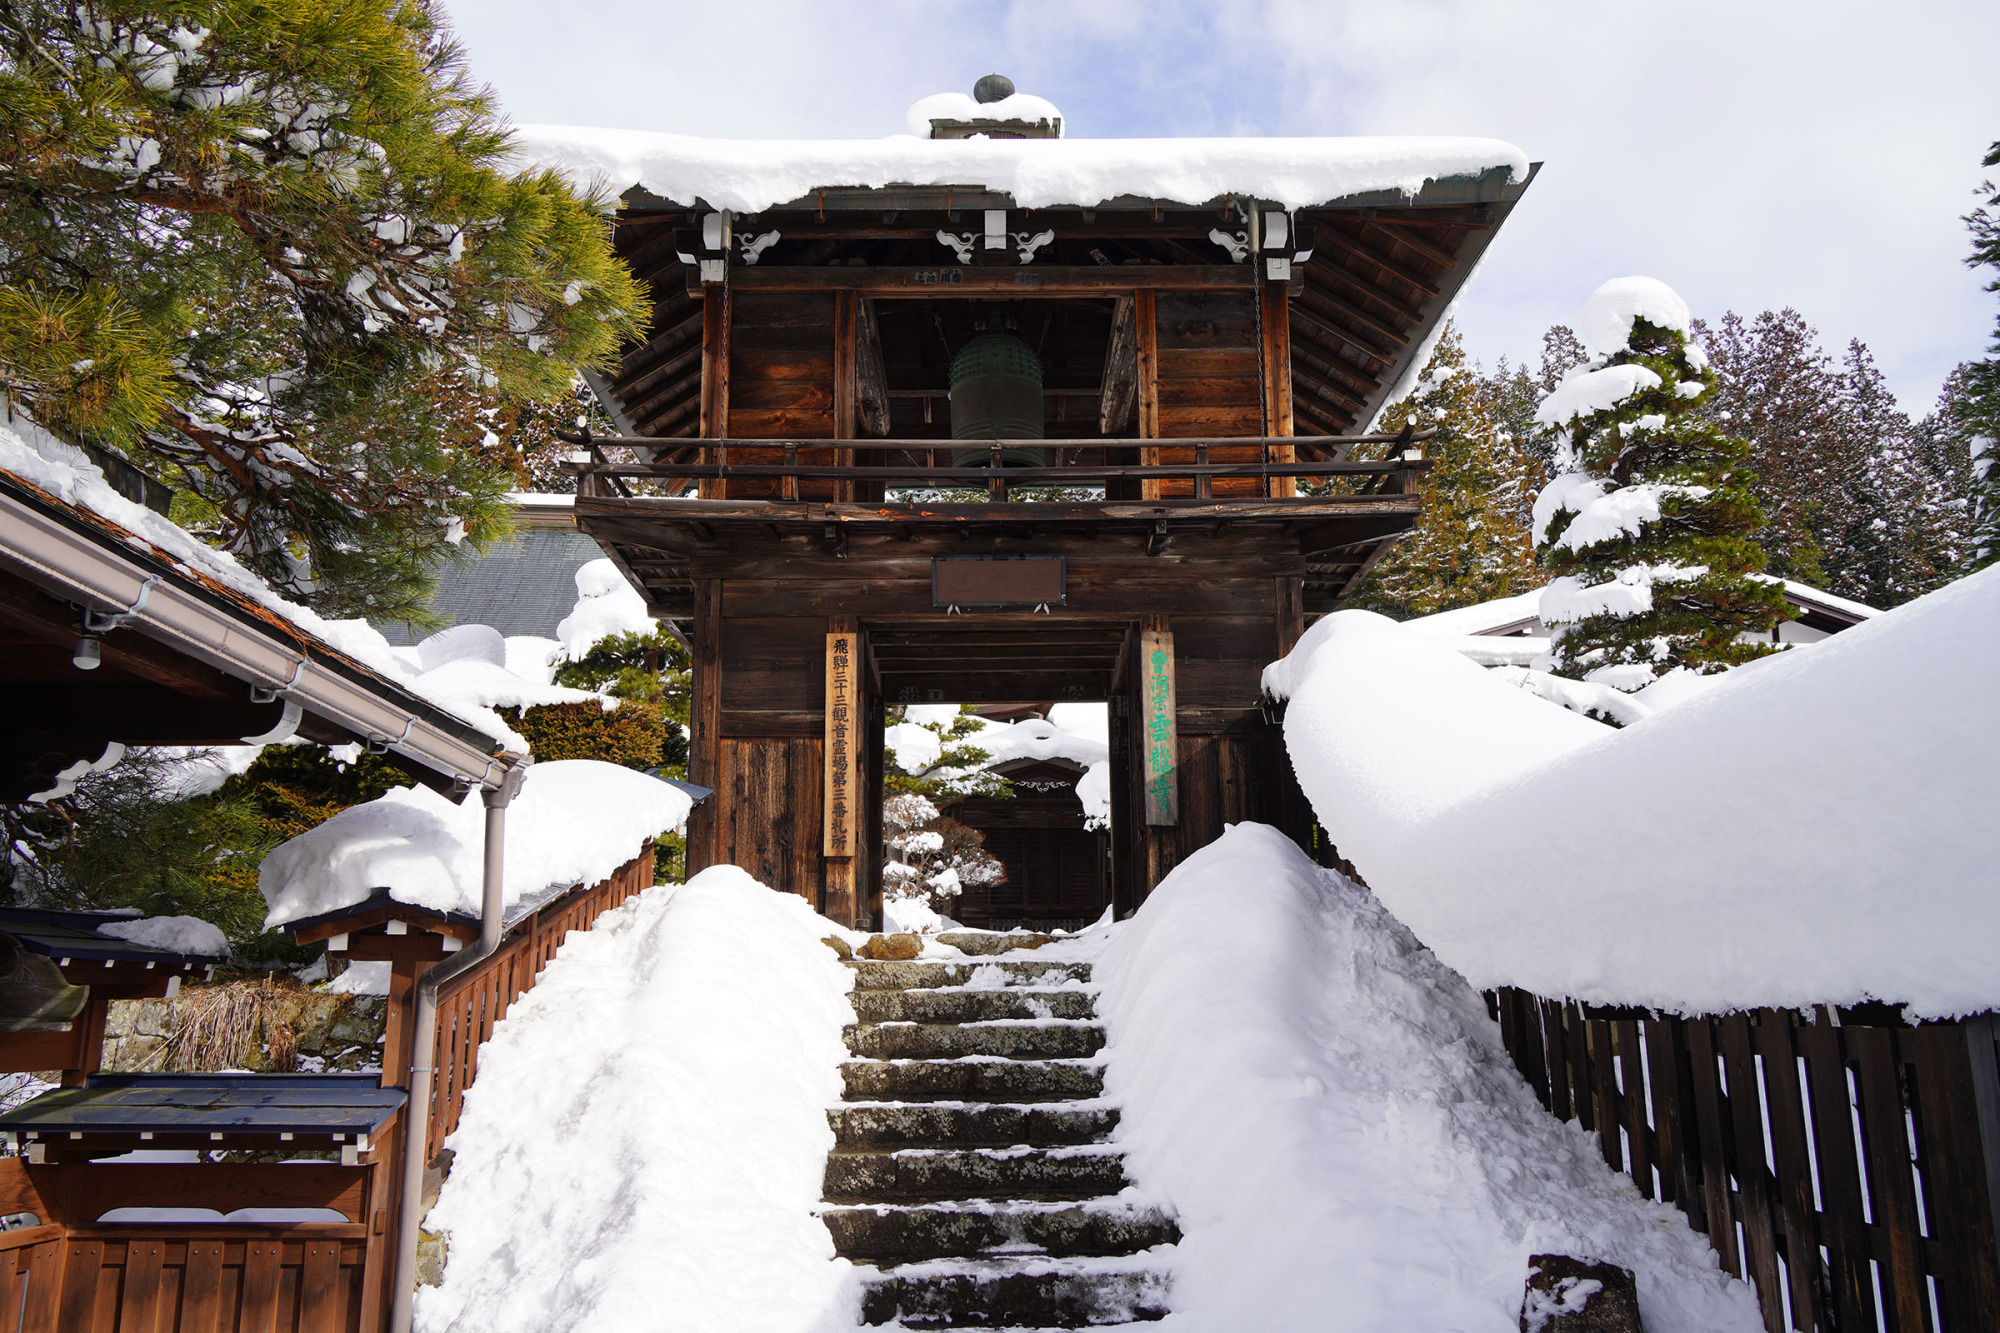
(1584,391)
(473,682)
(1608,314)
(1032,738)
(574,822)
(606,606)
(645,1145)
(964,107)
(188,935)
(912,748)
(38,458)
(1814,829)
(1338,1128)
(480,643)
(749,176)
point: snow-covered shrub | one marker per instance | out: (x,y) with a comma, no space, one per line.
(1648,525)
(932,856)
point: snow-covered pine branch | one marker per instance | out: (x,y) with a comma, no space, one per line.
(1647,526)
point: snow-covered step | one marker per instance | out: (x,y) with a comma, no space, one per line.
(1010,1293)
(1012,1039)
(971,1080)
(968,1124)
(993,1228)
(871,975)
(969,1006)
(1082,1172)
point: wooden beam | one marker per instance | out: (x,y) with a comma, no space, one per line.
(1146,340)
(1333,236)
(1400,234)
(955,280)
(1356,283)
(1275,353)
(1121,371)
(1317,292)
(715,373)
(705,720)
(846,388)
(1315,329)
(872,376)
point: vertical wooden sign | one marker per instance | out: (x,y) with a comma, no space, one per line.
(1159,737)
(841,734)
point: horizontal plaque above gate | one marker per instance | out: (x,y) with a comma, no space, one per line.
(998,580)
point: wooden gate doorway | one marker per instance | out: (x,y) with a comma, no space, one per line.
(1059,869)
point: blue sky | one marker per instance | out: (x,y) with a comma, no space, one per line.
(1753,155)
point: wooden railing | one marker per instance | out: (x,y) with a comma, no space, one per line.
(915,463)
(1843,1161)
(470,1006)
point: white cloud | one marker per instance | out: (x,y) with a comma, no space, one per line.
(1813,154)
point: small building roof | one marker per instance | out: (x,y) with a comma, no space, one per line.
(67,935)
(523,584)
(300,1104)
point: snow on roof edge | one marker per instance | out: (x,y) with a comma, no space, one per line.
(749,176)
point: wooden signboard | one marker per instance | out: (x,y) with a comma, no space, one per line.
(1158,734)
(842,725)
(1025,580)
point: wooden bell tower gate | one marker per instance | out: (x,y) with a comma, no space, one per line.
(785,486)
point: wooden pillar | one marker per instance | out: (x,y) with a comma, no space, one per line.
(1275,353)
(1291,614)
(841,806)
(870,897)
(846,383)
(1146,330)
(705,726)
(714,377)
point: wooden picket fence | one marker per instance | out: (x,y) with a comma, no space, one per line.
(1845,1162)
(470,1006)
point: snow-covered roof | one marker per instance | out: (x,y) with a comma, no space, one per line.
(748,176)
(59,474)
(1509,615)
(1812,829)
(574,822)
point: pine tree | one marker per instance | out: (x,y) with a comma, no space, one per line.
(273,251)
(1649,527)
(1471,543)
(1780,391)
(1898,518)
(1977,420)
(960,767)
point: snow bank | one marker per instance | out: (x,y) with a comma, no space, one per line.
(1815,829)
(1331,1113)
(749,176)
(176,934)
(645,1144)
(38,458)
(574,822)
(606,606)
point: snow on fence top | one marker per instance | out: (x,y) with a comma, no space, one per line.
(1816,828)
(749,176)
(574,822)
(64,474)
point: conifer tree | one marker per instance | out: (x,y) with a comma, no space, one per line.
(1978,417)
(274,251)
(1648,526)
(1471,544)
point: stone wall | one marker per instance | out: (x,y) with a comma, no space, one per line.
(329,1032)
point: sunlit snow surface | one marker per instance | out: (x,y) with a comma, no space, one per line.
(1331,1114)
(749,176)
(1813,829)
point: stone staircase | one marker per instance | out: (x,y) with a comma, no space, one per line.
(971,1177)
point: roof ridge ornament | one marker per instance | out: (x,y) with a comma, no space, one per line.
(994,111)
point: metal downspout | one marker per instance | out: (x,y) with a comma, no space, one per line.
(423,1048)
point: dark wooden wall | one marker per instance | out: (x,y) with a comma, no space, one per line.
(1201,375)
